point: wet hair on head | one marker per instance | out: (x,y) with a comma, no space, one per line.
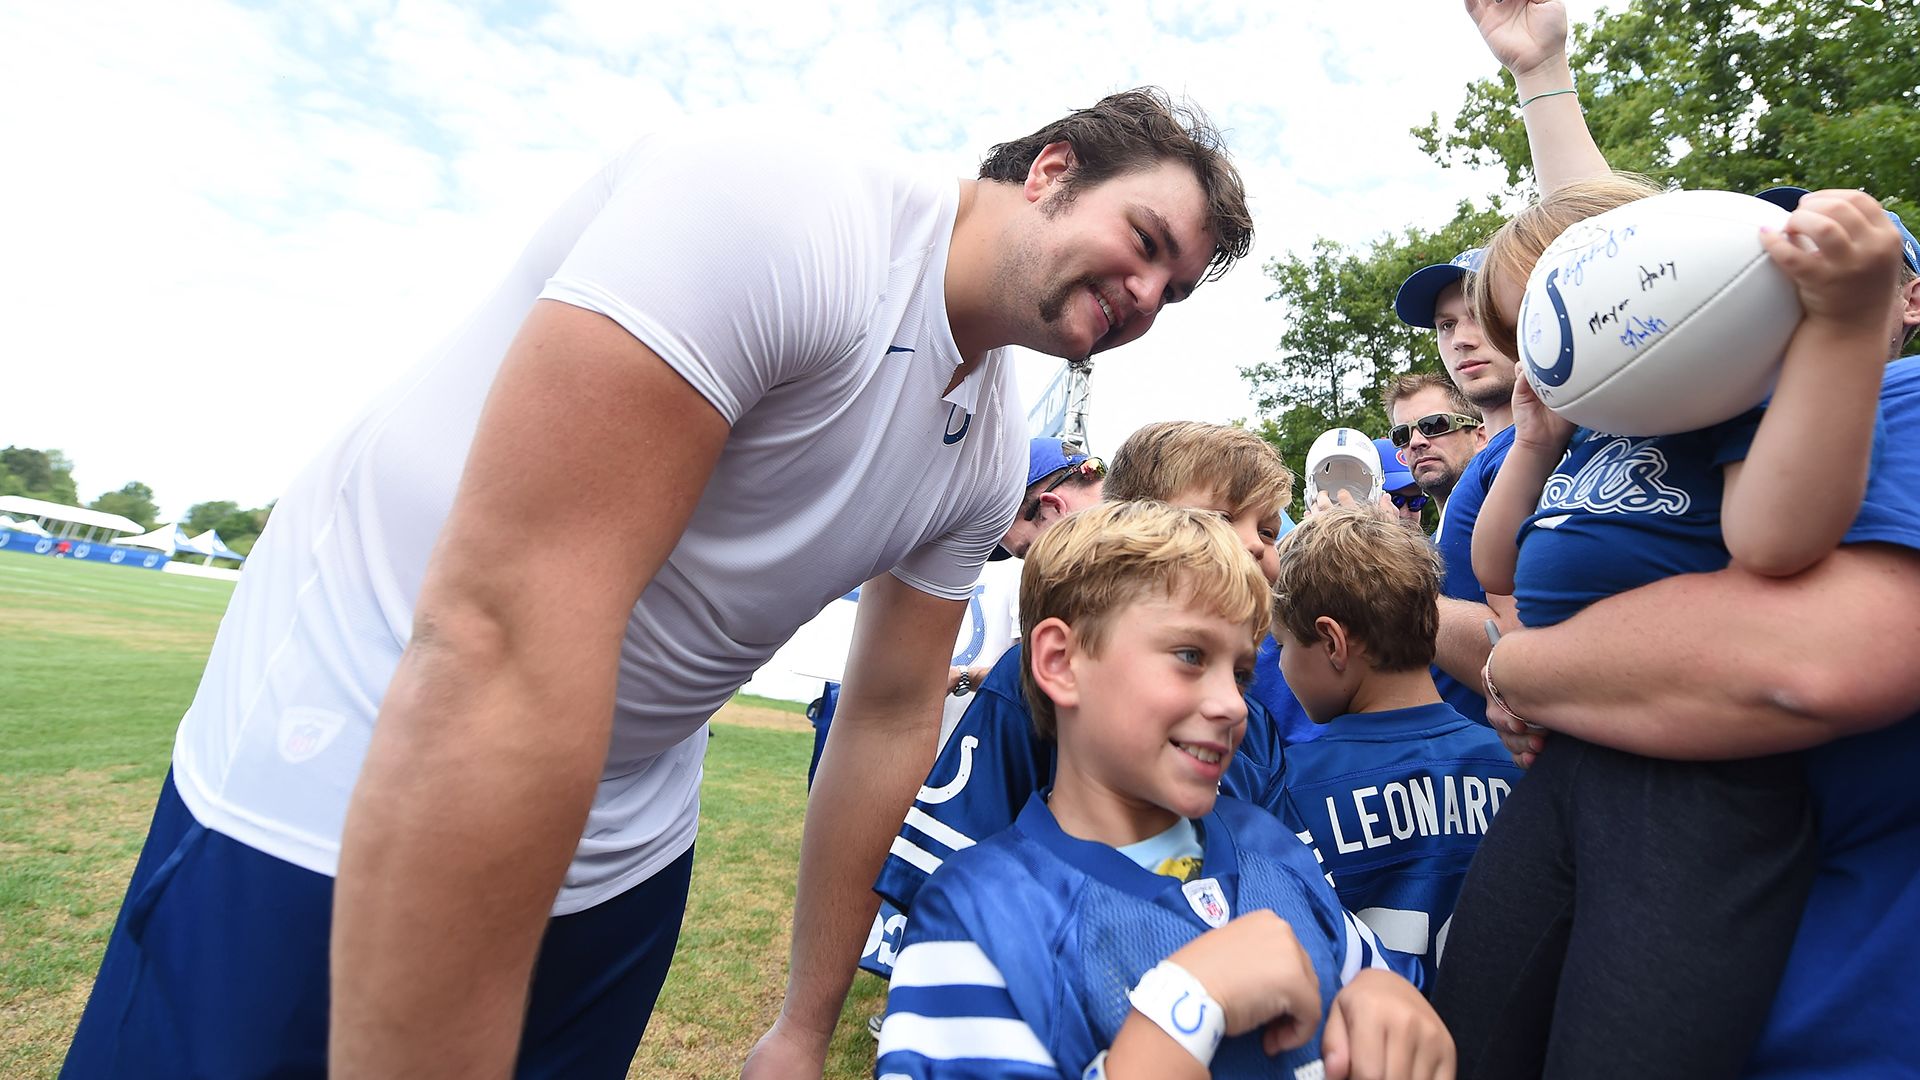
(1131,131)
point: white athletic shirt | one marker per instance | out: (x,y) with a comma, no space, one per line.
(801,293)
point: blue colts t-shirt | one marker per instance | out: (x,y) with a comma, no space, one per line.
(1621,512)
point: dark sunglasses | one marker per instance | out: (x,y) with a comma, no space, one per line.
(1091,469)
(1432,425)
(1415,501)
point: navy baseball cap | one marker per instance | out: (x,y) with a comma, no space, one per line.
(1393,463)
(1414,302)
(1044,458)
(1786,198)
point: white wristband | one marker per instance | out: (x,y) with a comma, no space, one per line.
(1172,998)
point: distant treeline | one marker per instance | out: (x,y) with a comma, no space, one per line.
(1739,95)
(48,474)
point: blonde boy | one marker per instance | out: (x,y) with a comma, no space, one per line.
(994,761)
(1131,920)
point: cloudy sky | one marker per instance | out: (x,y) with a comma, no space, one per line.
(226,225)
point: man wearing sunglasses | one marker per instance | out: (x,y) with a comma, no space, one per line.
(1437,427)
(1058,483)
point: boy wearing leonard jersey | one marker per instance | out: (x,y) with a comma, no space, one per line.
(1132,920)
(1399,788)
(993,762)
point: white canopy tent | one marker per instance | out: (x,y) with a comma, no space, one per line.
(215,547)
(170,538)
(71,518)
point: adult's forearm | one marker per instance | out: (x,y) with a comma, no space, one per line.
(467,812)
(1461,646)
(866,781)
(1729,664)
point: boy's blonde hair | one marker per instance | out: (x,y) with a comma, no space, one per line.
(1369,573)
(1175,457)
(1516,246)
(1099,560)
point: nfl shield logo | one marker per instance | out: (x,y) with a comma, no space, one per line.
(1208,901)
(305,731)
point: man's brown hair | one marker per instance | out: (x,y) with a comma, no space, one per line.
(1413,382)
(1097,561)
(1175,457)
(1135,130)
(1367,572)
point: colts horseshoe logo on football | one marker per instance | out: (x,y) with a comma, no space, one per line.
(1562,368)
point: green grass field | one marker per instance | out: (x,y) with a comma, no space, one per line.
(97,663)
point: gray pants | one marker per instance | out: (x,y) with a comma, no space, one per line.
(1627,917)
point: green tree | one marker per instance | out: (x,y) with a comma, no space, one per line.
(208,515)
(1732,94)
(37,474)
(238,528)
(1343,342)
(133,500)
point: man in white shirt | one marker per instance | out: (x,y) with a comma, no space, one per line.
(737,374)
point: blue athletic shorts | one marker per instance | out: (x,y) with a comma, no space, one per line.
(217,967)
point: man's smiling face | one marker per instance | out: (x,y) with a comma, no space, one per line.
(1090,269)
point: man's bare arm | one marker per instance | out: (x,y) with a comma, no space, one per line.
(1729,664)
(1462,646)
(494,730)
(878,751)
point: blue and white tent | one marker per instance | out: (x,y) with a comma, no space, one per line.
(169,538)
(209,544)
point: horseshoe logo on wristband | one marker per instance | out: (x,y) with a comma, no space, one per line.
(1199,1017)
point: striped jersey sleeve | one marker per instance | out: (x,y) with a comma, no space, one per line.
(949,1011)
(989,767)
(1363,950)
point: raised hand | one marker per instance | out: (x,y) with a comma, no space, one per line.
(1843,255)
(1524,35)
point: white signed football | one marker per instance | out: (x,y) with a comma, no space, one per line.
(1661,316)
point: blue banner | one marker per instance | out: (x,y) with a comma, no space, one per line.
(68,548)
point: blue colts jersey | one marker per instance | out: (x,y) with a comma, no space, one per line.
(1023,947)
(991,765)
(1395,803)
